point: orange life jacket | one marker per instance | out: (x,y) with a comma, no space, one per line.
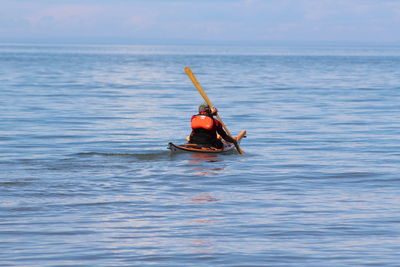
(202,122)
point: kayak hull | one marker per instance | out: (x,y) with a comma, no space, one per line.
(195,148)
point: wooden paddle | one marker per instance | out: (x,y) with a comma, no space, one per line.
(208,101)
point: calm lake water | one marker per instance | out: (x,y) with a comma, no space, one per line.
(86,179)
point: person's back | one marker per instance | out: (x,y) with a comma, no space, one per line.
(205,128)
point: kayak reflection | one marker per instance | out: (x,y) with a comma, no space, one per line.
(198,161)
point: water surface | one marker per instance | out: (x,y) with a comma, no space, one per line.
(86,179)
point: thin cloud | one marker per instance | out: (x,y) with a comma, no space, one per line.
(209,20)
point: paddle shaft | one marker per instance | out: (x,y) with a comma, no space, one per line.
(209,103)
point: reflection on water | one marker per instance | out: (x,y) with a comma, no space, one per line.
(204,197)
(204,218)
(202,247)
(198,157)
(198,163)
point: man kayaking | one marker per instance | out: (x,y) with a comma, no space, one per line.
(205,128)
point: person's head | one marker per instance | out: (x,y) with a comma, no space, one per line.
(204,108)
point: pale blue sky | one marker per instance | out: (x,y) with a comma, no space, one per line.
(204,21)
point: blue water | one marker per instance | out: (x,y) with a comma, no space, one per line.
(86,179)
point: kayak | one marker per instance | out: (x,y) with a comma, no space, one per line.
(206,149)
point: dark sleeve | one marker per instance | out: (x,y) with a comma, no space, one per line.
(221,131)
